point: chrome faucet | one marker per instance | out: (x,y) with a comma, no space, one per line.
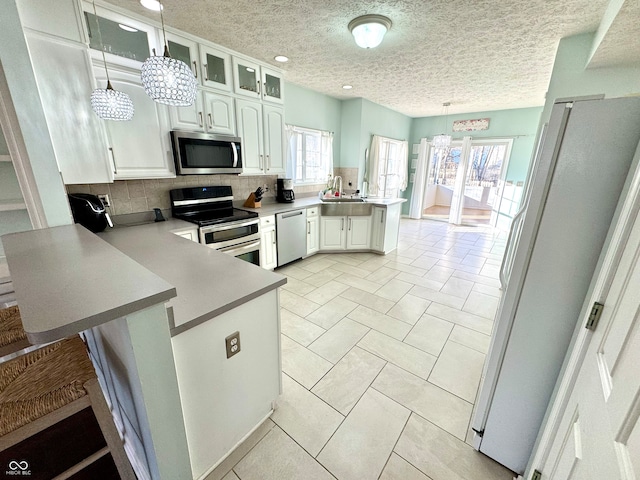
(335,180)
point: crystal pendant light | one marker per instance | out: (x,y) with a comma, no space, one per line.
(443,140)
(168,80)
(110,104)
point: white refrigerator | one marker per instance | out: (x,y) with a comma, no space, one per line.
(574,185)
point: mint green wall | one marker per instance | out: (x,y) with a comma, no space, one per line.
(569,77)
(351,128)
(306,108)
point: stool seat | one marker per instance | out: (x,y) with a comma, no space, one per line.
(12,335)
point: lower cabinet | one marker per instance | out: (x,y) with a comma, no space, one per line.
(268,245)
(385,228)
(313,231)
(345,233)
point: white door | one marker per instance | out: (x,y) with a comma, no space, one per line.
(332,233)
(358,232)
(249,115)
(220,115)
(599,434)
(188,118)
(274,139)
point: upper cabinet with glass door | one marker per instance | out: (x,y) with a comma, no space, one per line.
(182,49)
(125,41)
(216,68)
(258,82)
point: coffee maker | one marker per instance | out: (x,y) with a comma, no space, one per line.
(284,190)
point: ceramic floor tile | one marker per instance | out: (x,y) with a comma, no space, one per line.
(474,260)
(421,281)
(297,304)
(430,334)
(301,364)
(457,287)
(438,297)
(346,268)
(425,262)
(277,457)
(304,417)
(380,322)
(326,292)
(338,340)
(482,305)
(361,446)
(474,322)
(411,252)
(320,278)
(492,271)
(487,290)
(427,400)
(375,263)
(358,282)
(394,290)
(346,259)
(409,309)
(331,313)
(294,272)
(440,274)
(410,269)
(459,267)
(397,468)
(491,282)
(370,300)
(299,329)
(458,370)
(382,275)
(299,287)
(470,338)
(401,354)
(347,381)
(317,265)
(441,456)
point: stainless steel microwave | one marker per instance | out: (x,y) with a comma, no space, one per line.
(206,154)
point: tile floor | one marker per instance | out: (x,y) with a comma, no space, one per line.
(381,359)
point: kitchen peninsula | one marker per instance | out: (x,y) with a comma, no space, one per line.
(179,402)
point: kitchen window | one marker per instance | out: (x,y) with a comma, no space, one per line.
(310,155)
(387,167)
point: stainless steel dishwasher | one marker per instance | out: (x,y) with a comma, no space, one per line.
(291,231)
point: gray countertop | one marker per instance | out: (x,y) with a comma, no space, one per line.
(272,208)
(67,280)
(208,282)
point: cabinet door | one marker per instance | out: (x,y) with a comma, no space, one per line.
(216,68)
(140,147)
(189,118)
(272,84)
(183,49)
(313,235)
(268,248)
(332,233)
(274,139)
(249,115)
(83,156)
(220,116)
(358,232)
(377,229)
(246,78)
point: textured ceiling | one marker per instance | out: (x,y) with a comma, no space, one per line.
(477,54)
(621,43)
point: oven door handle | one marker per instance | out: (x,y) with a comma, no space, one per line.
(235,154)
(230,226)
(239,250)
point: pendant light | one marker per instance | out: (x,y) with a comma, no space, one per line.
(168,80)
(110,104)
(443,140)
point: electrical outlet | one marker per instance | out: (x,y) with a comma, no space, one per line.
(105,200)
(233,344)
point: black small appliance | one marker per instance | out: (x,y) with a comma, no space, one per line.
(284,190)
(88,210)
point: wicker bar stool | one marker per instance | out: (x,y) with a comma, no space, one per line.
(41,389)
(12,335)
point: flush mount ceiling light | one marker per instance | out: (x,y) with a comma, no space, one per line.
(110,104)
(443,140)
(369,30)
(151,5)
(168,80)
(281,58)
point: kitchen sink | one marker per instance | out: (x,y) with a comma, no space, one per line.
(338,209)
(343,199)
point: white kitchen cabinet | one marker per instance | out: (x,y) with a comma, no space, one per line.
(216,68)
(182,49)
(385,228)
(261,128)
(313,231)
(358,232)
(345,233)
(260,83)
(333,235)
(211,112)
(141,147)
(268,245)
(76,131)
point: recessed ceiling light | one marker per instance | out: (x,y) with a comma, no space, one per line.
(281,58)
(151,5)
(127,28)
(249,69)
(347,87)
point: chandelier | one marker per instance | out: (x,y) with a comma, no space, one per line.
(443,140)
(168,80)
(110,104)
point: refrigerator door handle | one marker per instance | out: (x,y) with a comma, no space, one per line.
(506,260)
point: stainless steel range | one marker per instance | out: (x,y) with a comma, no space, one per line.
(230,230)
